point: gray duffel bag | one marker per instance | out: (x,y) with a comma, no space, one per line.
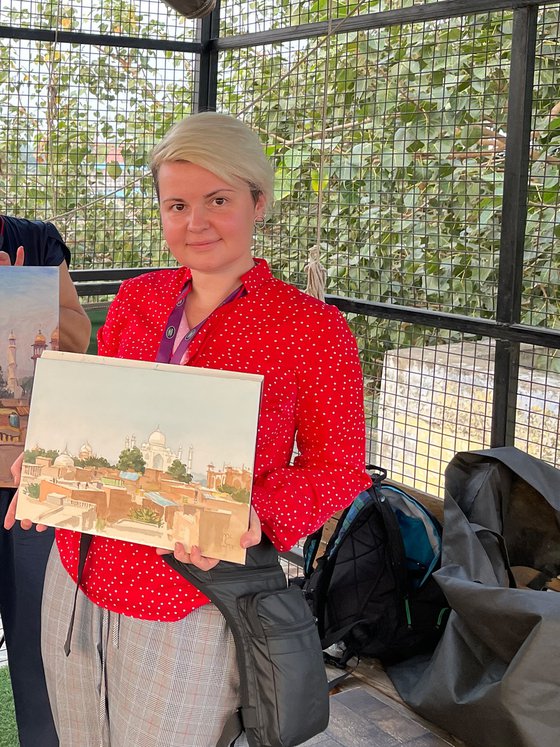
(494,679)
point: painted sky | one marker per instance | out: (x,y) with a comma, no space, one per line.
(28,302)
(77,400)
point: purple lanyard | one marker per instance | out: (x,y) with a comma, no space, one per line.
(165,353)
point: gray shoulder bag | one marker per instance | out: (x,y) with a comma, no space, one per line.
(283,684)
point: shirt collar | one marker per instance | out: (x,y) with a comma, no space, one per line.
(257,276)
(253,279)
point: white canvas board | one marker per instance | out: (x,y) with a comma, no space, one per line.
(28,326)
(145,452)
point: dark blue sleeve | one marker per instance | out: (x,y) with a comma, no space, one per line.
(41,241)
(56,250)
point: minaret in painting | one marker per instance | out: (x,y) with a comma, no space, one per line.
(39,345)
(12,382)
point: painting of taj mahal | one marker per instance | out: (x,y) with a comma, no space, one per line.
(28,326)
(144,452)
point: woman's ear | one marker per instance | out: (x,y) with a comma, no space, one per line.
(260,208)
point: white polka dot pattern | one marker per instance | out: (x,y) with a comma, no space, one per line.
(312,392)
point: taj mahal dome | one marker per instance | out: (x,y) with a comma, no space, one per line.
(155,451)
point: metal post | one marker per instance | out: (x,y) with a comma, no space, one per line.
(206,72)
(514,217)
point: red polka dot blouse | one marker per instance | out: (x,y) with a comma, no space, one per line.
(312,393)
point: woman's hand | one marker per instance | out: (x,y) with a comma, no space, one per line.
(5,258)
(10,518)
(250,538)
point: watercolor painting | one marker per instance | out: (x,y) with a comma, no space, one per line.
(145,452)
(28,327)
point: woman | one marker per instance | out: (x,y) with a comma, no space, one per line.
(152,662)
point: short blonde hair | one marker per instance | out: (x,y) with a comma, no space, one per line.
(221,144)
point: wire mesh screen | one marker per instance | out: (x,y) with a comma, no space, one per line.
(541,296)
(77,121)
(240,17)
(389,153)
(148,19)
(428,394)
(538,404)
(389,150)
(396,138)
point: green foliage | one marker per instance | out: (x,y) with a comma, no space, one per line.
(241,495)
(398,173)
(3,384)
(145,515)
(30,456)
(131,460)
(79,136)
(92,461)
(100,524)
(26,383)
(178,470)
(33,490)
(407,152)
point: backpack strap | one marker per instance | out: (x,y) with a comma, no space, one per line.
(313,541)
(310,547)
(85,542)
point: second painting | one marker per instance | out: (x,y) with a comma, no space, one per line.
(144,452)
(28,327)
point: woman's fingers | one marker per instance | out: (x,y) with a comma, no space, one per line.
(10,517)
(253,535)
(15,469)
(194,557)
(199,560)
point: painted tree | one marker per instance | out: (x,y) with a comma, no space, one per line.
(178,470)
(131,460)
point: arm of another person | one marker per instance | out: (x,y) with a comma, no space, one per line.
(75,326)
(329,471)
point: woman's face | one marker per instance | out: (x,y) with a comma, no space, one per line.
(207,223)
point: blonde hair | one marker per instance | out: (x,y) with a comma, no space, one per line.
(221,144)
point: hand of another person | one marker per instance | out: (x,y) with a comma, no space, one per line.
(250,538)
(10,518)
(5,260)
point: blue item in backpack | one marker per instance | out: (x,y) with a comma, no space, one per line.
(373,589)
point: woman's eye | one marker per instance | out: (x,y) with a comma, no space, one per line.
(220,201)
(178,207)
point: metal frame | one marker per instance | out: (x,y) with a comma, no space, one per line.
(416,14)
(75,37)
(506,329)
(207,73)
(514,218)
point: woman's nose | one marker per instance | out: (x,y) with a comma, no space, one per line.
(198,219)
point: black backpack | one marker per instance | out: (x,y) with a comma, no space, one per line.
(372,591)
